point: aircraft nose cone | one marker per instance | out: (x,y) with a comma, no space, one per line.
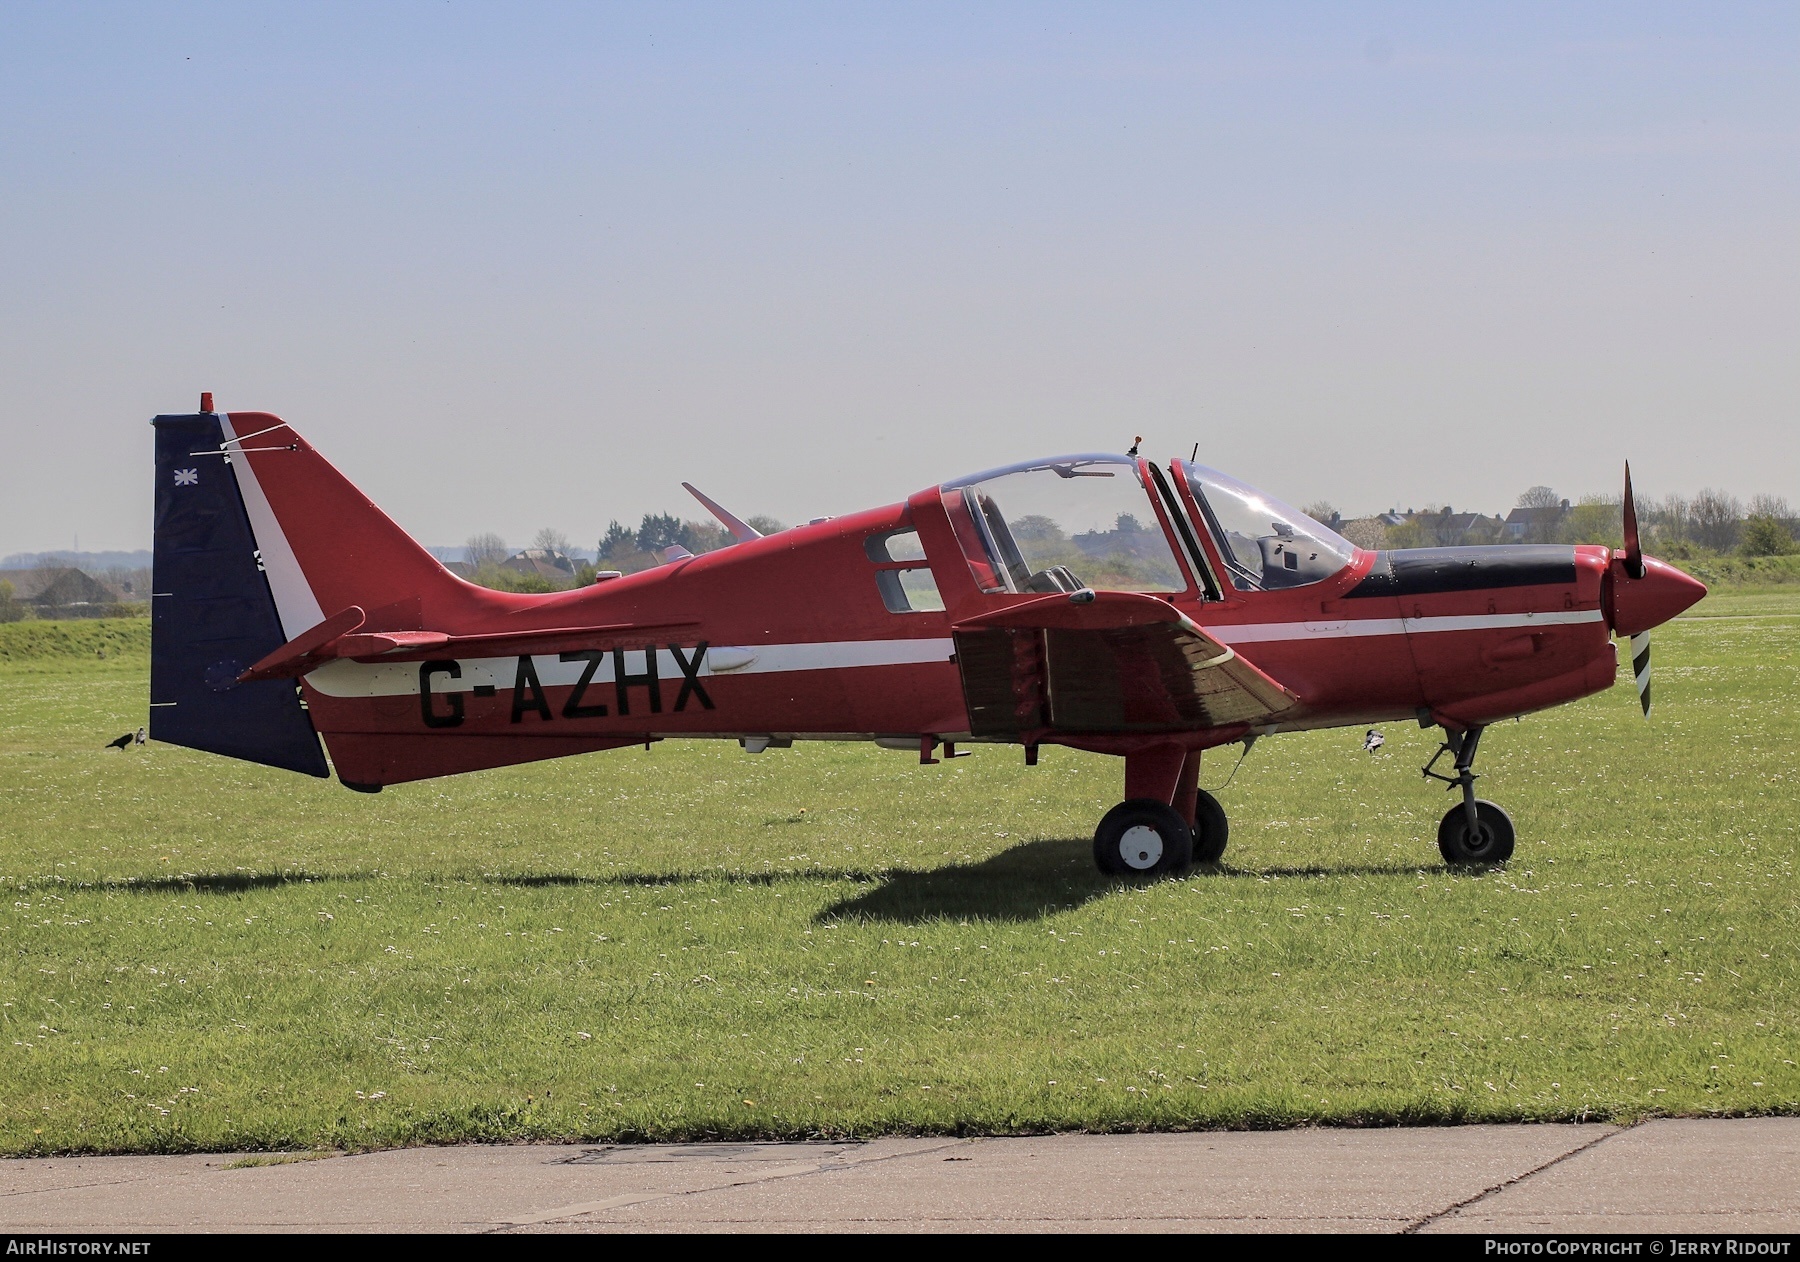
(1641,603)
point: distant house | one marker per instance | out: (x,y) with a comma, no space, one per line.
(73,587)
(546,564)
(1431,528)
(1467,528)
(62,592)
(1526,525)
(462,569)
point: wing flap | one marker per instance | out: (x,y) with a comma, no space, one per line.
(1127,664)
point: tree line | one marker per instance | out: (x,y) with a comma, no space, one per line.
(620,550)
(1710,523)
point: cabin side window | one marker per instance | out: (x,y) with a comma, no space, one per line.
(901,574)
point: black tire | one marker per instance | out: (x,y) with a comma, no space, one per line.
(1211,828)
(1491,842)
(1143,837)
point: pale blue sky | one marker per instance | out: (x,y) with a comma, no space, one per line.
(522,265)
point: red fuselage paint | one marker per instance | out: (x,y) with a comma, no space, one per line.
(788,636)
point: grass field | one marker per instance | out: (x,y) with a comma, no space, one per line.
(695,942)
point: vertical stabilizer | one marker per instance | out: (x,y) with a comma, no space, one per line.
(326,546)
(213,614)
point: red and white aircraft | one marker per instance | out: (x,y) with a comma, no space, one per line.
(1100,602)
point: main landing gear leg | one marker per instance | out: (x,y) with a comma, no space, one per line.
(1478,831)
(1152,831)
(1204,816)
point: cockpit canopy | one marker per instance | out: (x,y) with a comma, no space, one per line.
(1265,544)
(1091,521)
(1060,525)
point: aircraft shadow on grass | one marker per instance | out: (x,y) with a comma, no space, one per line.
(1034,880)
(1025,882)
(206,882)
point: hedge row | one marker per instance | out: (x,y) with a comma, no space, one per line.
(43,640)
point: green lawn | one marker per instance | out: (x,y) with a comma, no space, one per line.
(696,942)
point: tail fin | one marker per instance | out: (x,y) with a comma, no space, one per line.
(213,611)
(324,545)
(259,540)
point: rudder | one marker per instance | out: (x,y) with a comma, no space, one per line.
(213,614)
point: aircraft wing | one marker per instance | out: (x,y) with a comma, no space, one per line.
(1120,662)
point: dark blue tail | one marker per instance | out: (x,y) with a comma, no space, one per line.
(212,614)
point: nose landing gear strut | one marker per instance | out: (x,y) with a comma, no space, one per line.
(1478,831)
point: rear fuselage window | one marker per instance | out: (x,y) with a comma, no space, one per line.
(901,574)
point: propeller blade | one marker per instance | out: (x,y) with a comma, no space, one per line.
(1640,668)
(1634,551)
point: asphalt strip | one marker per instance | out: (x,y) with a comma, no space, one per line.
(1662,1176)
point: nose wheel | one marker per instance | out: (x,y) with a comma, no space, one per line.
(1488,840)
(1477,831)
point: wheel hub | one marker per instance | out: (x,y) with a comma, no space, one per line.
(1140,847)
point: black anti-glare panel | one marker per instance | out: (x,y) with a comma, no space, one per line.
(1424,571)
(212,613)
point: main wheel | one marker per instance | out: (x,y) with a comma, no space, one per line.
(1143,836)
(1490,841)
(1211,828)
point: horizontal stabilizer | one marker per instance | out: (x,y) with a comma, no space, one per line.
(340,636)
(306,650)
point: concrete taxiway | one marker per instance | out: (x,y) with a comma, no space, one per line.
(1673,1176)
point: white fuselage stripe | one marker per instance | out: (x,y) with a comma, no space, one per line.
(1342,628)
(392,679)
(389,679)
(295,603)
